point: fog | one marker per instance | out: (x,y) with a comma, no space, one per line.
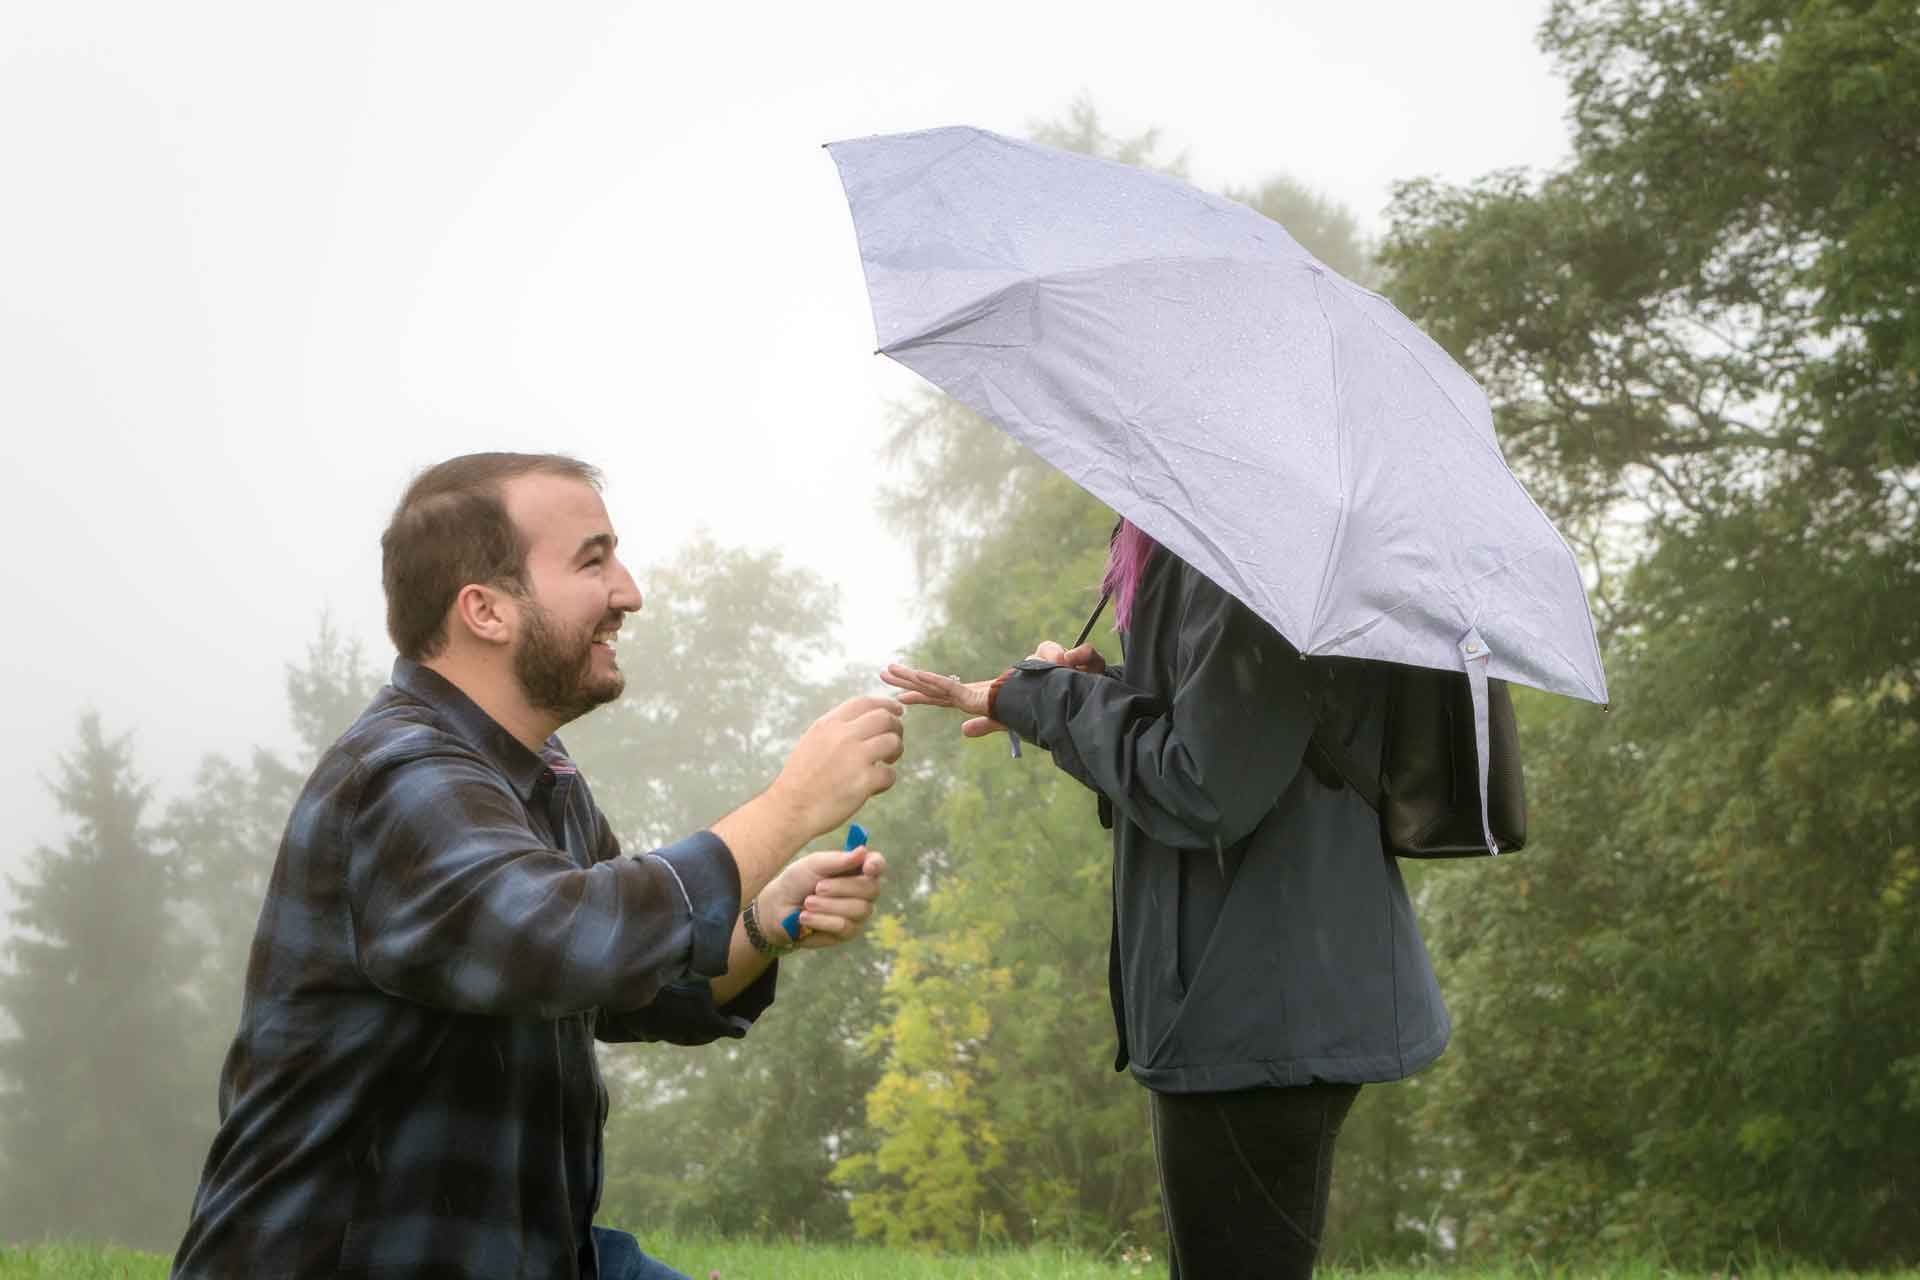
(262,262)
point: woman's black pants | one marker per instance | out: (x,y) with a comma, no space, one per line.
(1244,1177)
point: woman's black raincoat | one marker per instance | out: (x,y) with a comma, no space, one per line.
(1261,934)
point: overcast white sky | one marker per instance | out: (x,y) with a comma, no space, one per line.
(260,262)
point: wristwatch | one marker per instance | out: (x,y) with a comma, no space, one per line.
(770,942)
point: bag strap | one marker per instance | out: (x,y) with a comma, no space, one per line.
(1334,756)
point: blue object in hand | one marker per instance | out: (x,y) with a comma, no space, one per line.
(856,836)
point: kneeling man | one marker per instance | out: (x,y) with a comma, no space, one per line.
(451,923)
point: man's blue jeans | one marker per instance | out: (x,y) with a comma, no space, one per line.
(621,1259)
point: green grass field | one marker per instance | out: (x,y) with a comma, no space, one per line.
(751,1260)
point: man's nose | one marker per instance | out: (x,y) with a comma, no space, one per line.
(626,592)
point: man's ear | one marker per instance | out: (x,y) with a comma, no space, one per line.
(486,614)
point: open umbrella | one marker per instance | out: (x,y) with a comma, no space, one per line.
(1285,431)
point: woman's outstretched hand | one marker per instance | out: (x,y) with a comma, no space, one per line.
(930,689)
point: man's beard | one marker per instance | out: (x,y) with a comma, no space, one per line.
(555,668)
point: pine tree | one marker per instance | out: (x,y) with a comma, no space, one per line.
(95,1131)
(223,835)
(221,838)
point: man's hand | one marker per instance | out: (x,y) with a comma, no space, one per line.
(844,759)
(833,891)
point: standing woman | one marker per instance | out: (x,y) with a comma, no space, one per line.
(1265,959)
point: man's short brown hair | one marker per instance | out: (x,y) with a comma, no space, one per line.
(452,528)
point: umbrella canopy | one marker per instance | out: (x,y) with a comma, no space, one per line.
(1285,431)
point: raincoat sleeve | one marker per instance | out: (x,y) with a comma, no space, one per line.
(1205,768)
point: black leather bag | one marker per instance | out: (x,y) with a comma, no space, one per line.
(1427,791)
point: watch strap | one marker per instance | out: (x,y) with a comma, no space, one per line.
(762,939)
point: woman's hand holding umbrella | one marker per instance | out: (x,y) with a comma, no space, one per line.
(1081,657)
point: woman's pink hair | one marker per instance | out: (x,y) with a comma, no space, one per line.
(1126,559)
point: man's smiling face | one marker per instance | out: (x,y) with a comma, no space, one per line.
(578,593)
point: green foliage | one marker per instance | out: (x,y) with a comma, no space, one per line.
(327,694)
(1081,130)
(1684,1013)
(1323,226)
(91,1080)
(738,1259)
(995,1114)
(1712,1042)
(222,836)
(1810,112)
(1715,299)
(1387,1174)
(724,671)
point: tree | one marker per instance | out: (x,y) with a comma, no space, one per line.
(1323,226)
(1679,1011)
(223,835)
(996,1109)
(96,1144)
(724,672)
(1712,301)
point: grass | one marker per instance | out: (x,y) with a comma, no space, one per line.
(700,1257)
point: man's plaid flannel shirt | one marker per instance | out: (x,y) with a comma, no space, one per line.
(449,927)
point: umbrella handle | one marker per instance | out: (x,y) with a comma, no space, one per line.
(1092,618)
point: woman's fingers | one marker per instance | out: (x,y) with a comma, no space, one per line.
(980,727)
(1084,658)
(931,689)
(923,687)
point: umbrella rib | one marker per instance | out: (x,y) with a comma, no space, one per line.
(931,330)
(1592,694)
(1493,447)
(1339,460)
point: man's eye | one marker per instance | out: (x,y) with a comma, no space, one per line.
(593,562)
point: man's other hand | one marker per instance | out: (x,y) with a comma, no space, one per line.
(844,759)
(834,892)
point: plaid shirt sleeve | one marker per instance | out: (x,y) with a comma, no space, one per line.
(684,1012)
(456,903)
